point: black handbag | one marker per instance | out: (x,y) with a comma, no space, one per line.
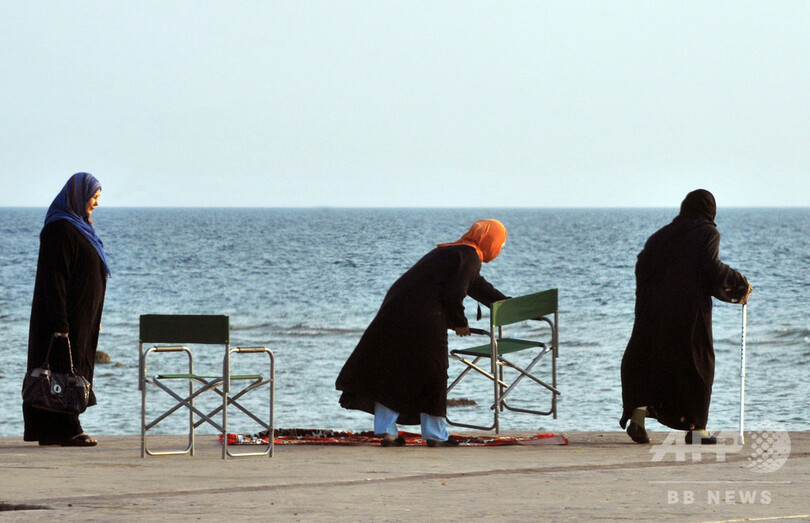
(56,391)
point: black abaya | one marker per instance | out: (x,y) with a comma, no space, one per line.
(401,359)
(668,365)
(68,297)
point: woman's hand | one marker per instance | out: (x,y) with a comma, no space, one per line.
(60,334)
(462,331)
(744,299)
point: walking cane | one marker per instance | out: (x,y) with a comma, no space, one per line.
(742,372)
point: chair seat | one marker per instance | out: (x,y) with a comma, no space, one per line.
(505,346)
(200,376)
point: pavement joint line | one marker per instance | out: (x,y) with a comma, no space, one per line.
(397,479)
(766,518)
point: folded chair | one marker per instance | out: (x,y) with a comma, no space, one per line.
(171,334)
(541,306)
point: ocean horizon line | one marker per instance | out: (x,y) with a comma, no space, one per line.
(407,208)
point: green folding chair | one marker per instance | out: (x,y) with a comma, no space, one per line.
(209,330)
(540,306)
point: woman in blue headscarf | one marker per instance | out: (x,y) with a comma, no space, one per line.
(71,280)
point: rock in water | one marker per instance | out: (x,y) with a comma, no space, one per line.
(460,402)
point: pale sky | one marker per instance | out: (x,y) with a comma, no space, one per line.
(380,103)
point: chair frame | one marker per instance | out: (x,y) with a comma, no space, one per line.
(199,329)
(540,306)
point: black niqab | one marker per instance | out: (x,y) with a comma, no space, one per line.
(700,204)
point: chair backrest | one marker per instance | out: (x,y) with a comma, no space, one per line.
(521,308)
(184,328)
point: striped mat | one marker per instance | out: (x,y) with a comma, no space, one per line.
(341,437)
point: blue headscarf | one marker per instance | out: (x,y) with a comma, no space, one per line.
(71,205)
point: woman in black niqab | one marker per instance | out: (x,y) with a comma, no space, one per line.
(668,365)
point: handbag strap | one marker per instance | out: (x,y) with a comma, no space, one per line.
(47,363)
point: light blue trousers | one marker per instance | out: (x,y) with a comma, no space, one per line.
(385,422)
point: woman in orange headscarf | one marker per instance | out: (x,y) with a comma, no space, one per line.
(398,371)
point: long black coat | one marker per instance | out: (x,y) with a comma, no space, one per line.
(401,359)
(68,297)
(668,364)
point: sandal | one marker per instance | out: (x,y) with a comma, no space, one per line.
(391,441)
(445,443)
(79,440)
(637,433)
(694,437)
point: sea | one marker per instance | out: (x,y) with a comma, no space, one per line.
(306,283)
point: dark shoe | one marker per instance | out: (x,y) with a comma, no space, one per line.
(637,433)
(80,440)
(704,440)
(445,443)
(399,441)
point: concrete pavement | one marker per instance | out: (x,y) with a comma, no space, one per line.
(598,476)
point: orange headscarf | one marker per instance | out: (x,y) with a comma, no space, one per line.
(486,237)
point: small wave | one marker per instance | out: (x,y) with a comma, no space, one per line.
(793,333)
(579,344)
(302,330)
(778,336)
(254,327)
(296,330)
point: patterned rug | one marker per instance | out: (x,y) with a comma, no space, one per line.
(339,437)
